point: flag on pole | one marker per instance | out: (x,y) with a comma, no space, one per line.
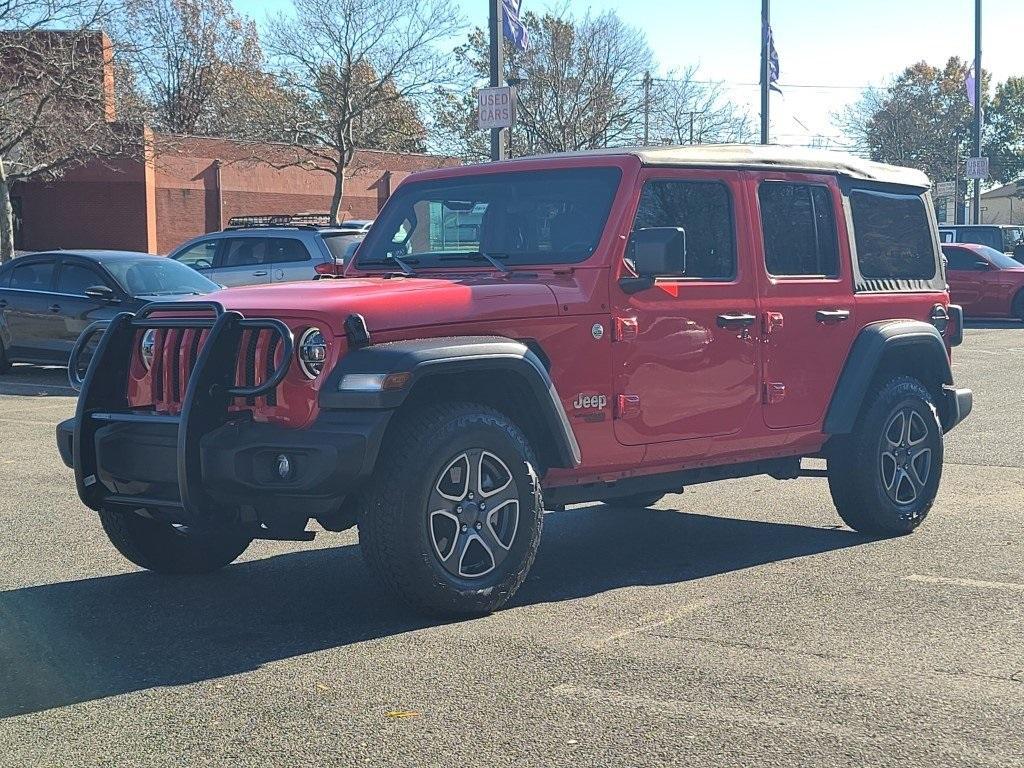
(969,84)
(773,59)
(511,24)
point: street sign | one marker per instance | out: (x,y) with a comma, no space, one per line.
(977,168)
(495,107)
(945,189)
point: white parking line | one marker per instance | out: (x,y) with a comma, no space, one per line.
(978,583)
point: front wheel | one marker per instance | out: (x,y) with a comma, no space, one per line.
(884,476)
(166,548)
(453,515)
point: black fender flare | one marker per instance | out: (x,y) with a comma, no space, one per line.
(872,345)
(423,358)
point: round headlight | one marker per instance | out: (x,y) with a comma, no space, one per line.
(312,352)
(147,349)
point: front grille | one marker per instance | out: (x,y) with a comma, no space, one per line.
(177,351)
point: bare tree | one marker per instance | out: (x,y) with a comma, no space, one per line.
(578,86)
(192,66)
(55,110)
(687,111)
(359,68)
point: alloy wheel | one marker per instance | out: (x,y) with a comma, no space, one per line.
(473,514)
(905,460)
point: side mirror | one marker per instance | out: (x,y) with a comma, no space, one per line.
(655,252)
(101,293)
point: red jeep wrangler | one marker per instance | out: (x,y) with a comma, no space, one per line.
(606,326)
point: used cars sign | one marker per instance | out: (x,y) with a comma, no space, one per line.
(495,107)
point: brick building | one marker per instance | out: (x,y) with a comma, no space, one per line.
(179,187)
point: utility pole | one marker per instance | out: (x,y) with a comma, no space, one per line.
(976,213)
(497,70)
(647,109)
(765,21)
(692,114)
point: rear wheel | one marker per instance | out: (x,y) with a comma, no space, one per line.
(884,476)
(165,548)
(453,515)
(637,500)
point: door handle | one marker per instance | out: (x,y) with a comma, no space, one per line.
(55,307)
(260,274)
(735,320)
(832,315)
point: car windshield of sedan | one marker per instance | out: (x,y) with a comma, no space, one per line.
(158,276)
(519,218)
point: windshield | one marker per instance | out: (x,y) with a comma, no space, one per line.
(342,246)
(157,276)
(526,217)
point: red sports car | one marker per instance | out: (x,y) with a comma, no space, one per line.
(984,281)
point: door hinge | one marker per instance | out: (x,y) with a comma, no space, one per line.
(626,329)
(627,406)
(771,322)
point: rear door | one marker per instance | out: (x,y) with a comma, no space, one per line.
(241,261)
(32,311)
(688,361)
(808,310)
(289,259)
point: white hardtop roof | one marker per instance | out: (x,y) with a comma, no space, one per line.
(761,157)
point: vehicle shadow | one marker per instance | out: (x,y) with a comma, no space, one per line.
(36,381)
(84,640)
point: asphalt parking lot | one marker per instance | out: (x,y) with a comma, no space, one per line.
(737,624)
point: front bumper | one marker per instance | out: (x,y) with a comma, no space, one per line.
(239,466)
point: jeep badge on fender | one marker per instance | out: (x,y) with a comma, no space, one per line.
(421,398)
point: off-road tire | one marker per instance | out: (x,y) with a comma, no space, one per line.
(860,464)
(1017,307)
(160,547)
(394,525)
(635,501)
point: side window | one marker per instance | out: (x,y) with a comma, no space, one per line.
(704,210)
(245,252)
(75,278)
(799,230)
(285,250)
(37,276)
(959,259)
(893,236)
(198,256)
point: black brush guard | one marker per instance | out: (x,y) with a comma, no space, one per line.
(103,398)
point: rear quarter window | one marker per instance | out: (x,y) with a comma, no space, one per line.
(893,236)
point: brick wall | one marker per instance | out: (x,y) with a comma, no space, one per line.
(189,186)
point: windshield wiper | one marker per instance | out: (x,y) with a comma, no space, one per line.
(403,263)
(476,255)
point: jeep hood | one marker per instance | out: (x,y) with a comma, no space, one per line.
(393,303)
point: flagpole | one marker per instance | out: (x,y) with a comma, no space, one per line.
(976,213)
(497,68)
(765,11)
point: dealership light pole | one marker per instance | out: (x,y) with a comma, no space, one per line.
(976,214)
(497,68)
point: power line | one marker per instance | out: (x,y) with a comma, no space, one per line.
(818,86)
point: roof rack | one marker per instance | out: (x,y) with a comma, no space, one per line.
(308,220)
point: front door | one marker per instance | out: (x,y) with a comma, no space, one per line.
(967,279)
(241,261)
(808,312)
(686,357)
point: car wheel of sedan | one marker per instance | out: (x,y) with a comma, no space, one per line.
(885,475)
(5,364)
(452,520)
(1017,309)
(165,548)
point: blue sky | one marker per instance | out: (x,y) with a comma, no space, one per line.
(838,46)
